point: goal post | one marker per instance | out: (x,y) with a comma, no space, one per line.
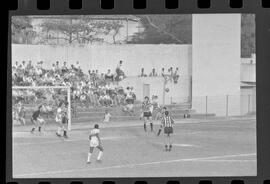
(23,91)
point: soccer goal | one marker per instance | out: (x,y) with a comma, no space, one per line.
(50,97)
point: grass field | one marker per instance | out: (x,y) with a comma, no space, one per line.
(221,147)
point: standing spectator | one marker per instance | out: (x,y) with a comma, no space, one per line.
(107,116)
(41,65)
(120,65)
(176,76)
(119,71)
(142,73)
(109,76)
(23,66)
(77,65)
(153,73)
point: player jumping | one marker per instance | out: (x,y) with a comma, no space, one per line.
(95,143)
(167,122)
(36,120)
(147,112)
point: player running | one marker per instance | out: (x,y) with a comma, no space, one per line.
(147,112)
(36,120)
(95,143)
(166,123)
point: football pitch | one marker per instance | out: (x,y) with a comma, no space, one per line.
(217,147)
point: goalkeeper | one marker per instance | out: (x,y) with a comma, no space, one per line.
(166,123)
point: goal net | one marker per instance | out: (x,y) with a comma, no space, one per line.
(27,99)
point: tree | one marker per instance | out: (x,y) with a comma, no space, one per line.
(247,35)
(22,30)
(166,29)
(81,30)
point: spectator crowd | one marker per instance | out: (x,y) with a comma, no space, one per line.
(90,89)
(170,75)
(93,88)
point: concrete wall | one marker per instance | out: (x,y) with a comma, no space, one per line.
(216,61)
(248,72)
(104,57)
(248,99)
(178,93)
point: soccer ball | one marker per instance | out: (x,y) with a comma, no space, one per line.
(167,90)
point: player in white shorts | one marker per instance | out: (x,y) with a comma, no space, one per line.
(95,143)
(58,119)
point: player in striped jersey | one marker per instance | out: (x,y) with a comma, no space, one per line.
(167,123)
(147,109)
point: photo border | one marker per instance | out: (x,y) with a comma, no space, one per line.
(92,7)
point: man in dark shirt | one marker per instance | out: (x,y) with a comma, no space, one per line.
(34,119)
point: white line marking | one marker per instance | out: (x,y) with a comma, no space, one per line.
(133,165)
(180,145)
(60,140)
(226,160)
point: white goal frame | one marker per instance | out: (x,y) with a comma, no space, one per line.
(53,87)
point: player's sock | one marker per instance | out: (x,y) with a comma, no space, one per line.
(151,125)
(100,155)
(88,157)
(39,129)
(144,126)
(33,129)
(159,131)
(166,147)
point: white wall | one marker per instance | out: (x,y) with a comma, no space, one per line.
(216,60)
(104,57)
(248,72)
(178,93)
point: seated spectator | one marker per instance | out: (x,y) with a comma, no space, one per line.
(53,67)
(57,67)
(107,116)
(29,65)
(153,73)
(77,65)
(40,65)
(64,67)
(109,76)
(16,65)
(23,67)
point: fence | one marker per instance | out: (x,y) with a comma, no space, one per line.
(225,105)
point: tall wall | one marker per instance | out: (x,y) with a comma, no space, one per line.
(104,57)
(216,62)
(178,93)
